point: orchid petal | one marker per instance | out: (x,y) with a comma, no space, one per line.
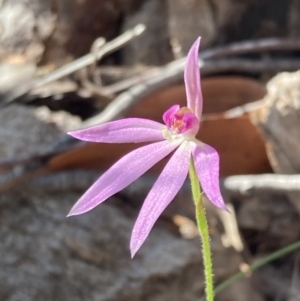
(162,193)
(206,160)
(192,124)
(122,131)
(167,115)
(192,80)
(121,174)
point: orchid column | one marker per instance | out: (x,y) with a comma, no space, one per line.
(177,133)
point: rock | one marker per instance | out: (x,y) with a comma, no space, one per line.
(268,222)
(24,135)
(24,26)
(48,257)
(62,119)
(242,290)
(13,75)
(279,278)
(279,121)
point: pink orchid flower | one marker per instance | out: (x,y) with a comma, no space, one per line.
(179,134)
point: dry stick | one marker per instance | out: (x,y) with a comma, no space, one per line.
(229,221)
(211,67)
(250,66)
(268,183)
(263,45)
(233,49)
(168,75)
(173,72)
(131,81)
(80,63)
(90,58)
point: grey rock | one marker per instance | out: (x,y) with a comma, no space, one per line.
(12,76)
(24,26)
(271,219)
(278,121)
(45,256)
(23,135)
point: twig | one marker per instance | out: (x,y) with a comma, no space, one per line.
(80,63)
(243,109)
(232,234)
(168,75)
(173,72)
(131,81)
(98,91)
(249,66)
(211,67)
(90,58)
(233,49)
(264,45)
(268,183)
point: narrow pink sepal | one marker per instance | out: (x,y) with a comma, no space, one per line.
(121,174)
(122,131)
(207,162)
(192,80)
(162,193)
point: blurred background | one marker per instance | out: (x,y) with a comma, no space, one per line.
(69,64)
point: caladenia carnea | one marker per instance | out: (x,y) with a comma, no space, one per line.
(201,161)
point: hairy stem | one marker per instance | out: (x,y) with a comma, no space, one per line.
(204,233)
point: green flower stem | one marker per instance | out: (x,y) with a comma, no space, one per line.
(267,259)
(203,229)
